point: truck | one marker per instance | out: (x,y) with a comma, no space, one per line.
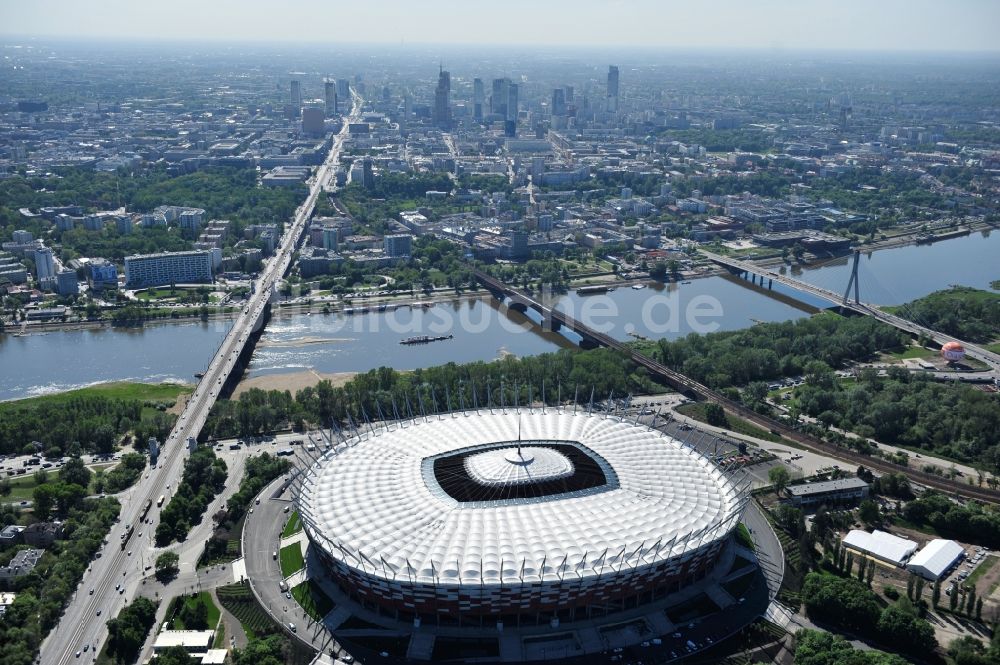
(159,502)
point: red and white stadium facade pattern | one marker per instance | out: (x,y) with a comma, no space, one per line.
(473,513)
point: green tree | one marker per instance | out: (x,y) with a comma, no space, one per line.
(779,477)
(167,566)
(869,513)
(74,471)
(715,415)
(900,626)
(127,632)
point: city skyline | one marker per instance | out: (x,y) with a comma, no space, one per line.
(924,25)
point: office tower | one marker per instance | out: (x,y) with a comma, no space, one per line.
(442,110)
(312,120)
(498,100)
(612,89)
(569,94)
(558,102)
(478,95)
(386,94)
(367,174)
(407,109)
(45,266)
(344,93)
(330,97)
(296,100)
(512,102)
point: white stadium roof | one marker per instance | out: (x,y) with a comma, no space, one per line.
(376,503)
(936,557)
(881,545)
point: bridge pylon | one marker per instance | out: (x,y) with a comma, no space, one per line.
(853,280)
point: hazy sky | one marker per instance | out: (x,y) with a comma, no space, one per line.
(919,25)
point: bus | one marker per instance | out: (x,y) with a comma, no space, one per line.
(145,511)
(285,452)
(159,502)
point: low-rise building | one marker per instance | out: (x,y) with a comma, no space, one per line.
(829,492)
(192,641)
(43,534)
(22,564)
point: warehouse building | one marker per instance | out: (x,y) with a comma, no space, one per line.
(829,492)
(936,558)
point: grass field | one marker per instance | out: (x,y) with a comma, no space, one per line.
(696,410)
(291,559)
(984,567)
(293,525)
(312,599)
(910,352)
(123,390)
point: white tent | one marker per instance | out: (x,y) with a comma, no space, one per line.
(936,558)
(881,545)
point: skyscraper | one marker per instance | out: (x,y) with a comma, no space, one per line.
(510,122)
(344,92)
(442,100)
(613,89)
(296,97)
(498,100)
(558,102)
(478,94)
(330,97)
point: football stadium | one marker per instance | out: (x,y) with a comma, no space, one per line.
(530,521)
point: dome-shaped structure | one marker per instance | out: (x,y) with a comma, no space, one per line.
(952,352)
(507,514)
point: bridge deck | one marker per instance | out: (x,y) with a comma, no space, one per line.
(868,309)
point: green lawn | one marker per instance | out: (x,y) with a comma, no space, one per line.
(291,559)
(312,599)
(153,392)
(203,598)
(293,525)
(995,348)
(983,568)
(910,352)
(696,410)
(22,488)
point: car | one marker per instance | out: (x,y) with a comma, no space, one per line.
(77,654)
(285,510)
(288,595)
(118,586)
(98,612)
(130,552)
(140,534)
(251,511)
(291,626)
(86,648)
(257,502)
(91,591)
(121,591)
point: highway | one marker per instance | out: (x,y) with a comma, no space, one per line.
(80,623)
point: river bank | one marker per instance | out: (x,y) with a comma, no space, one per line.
(291,381)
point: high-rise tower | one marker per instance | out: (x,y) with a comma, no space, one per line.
(613,89)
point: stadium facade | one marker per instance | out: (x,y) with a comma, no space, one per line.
(506,521)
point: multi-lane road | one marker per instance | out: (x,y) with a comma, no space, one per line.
(83,622)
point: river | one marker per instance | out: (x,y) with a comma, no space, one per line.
(55,361)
